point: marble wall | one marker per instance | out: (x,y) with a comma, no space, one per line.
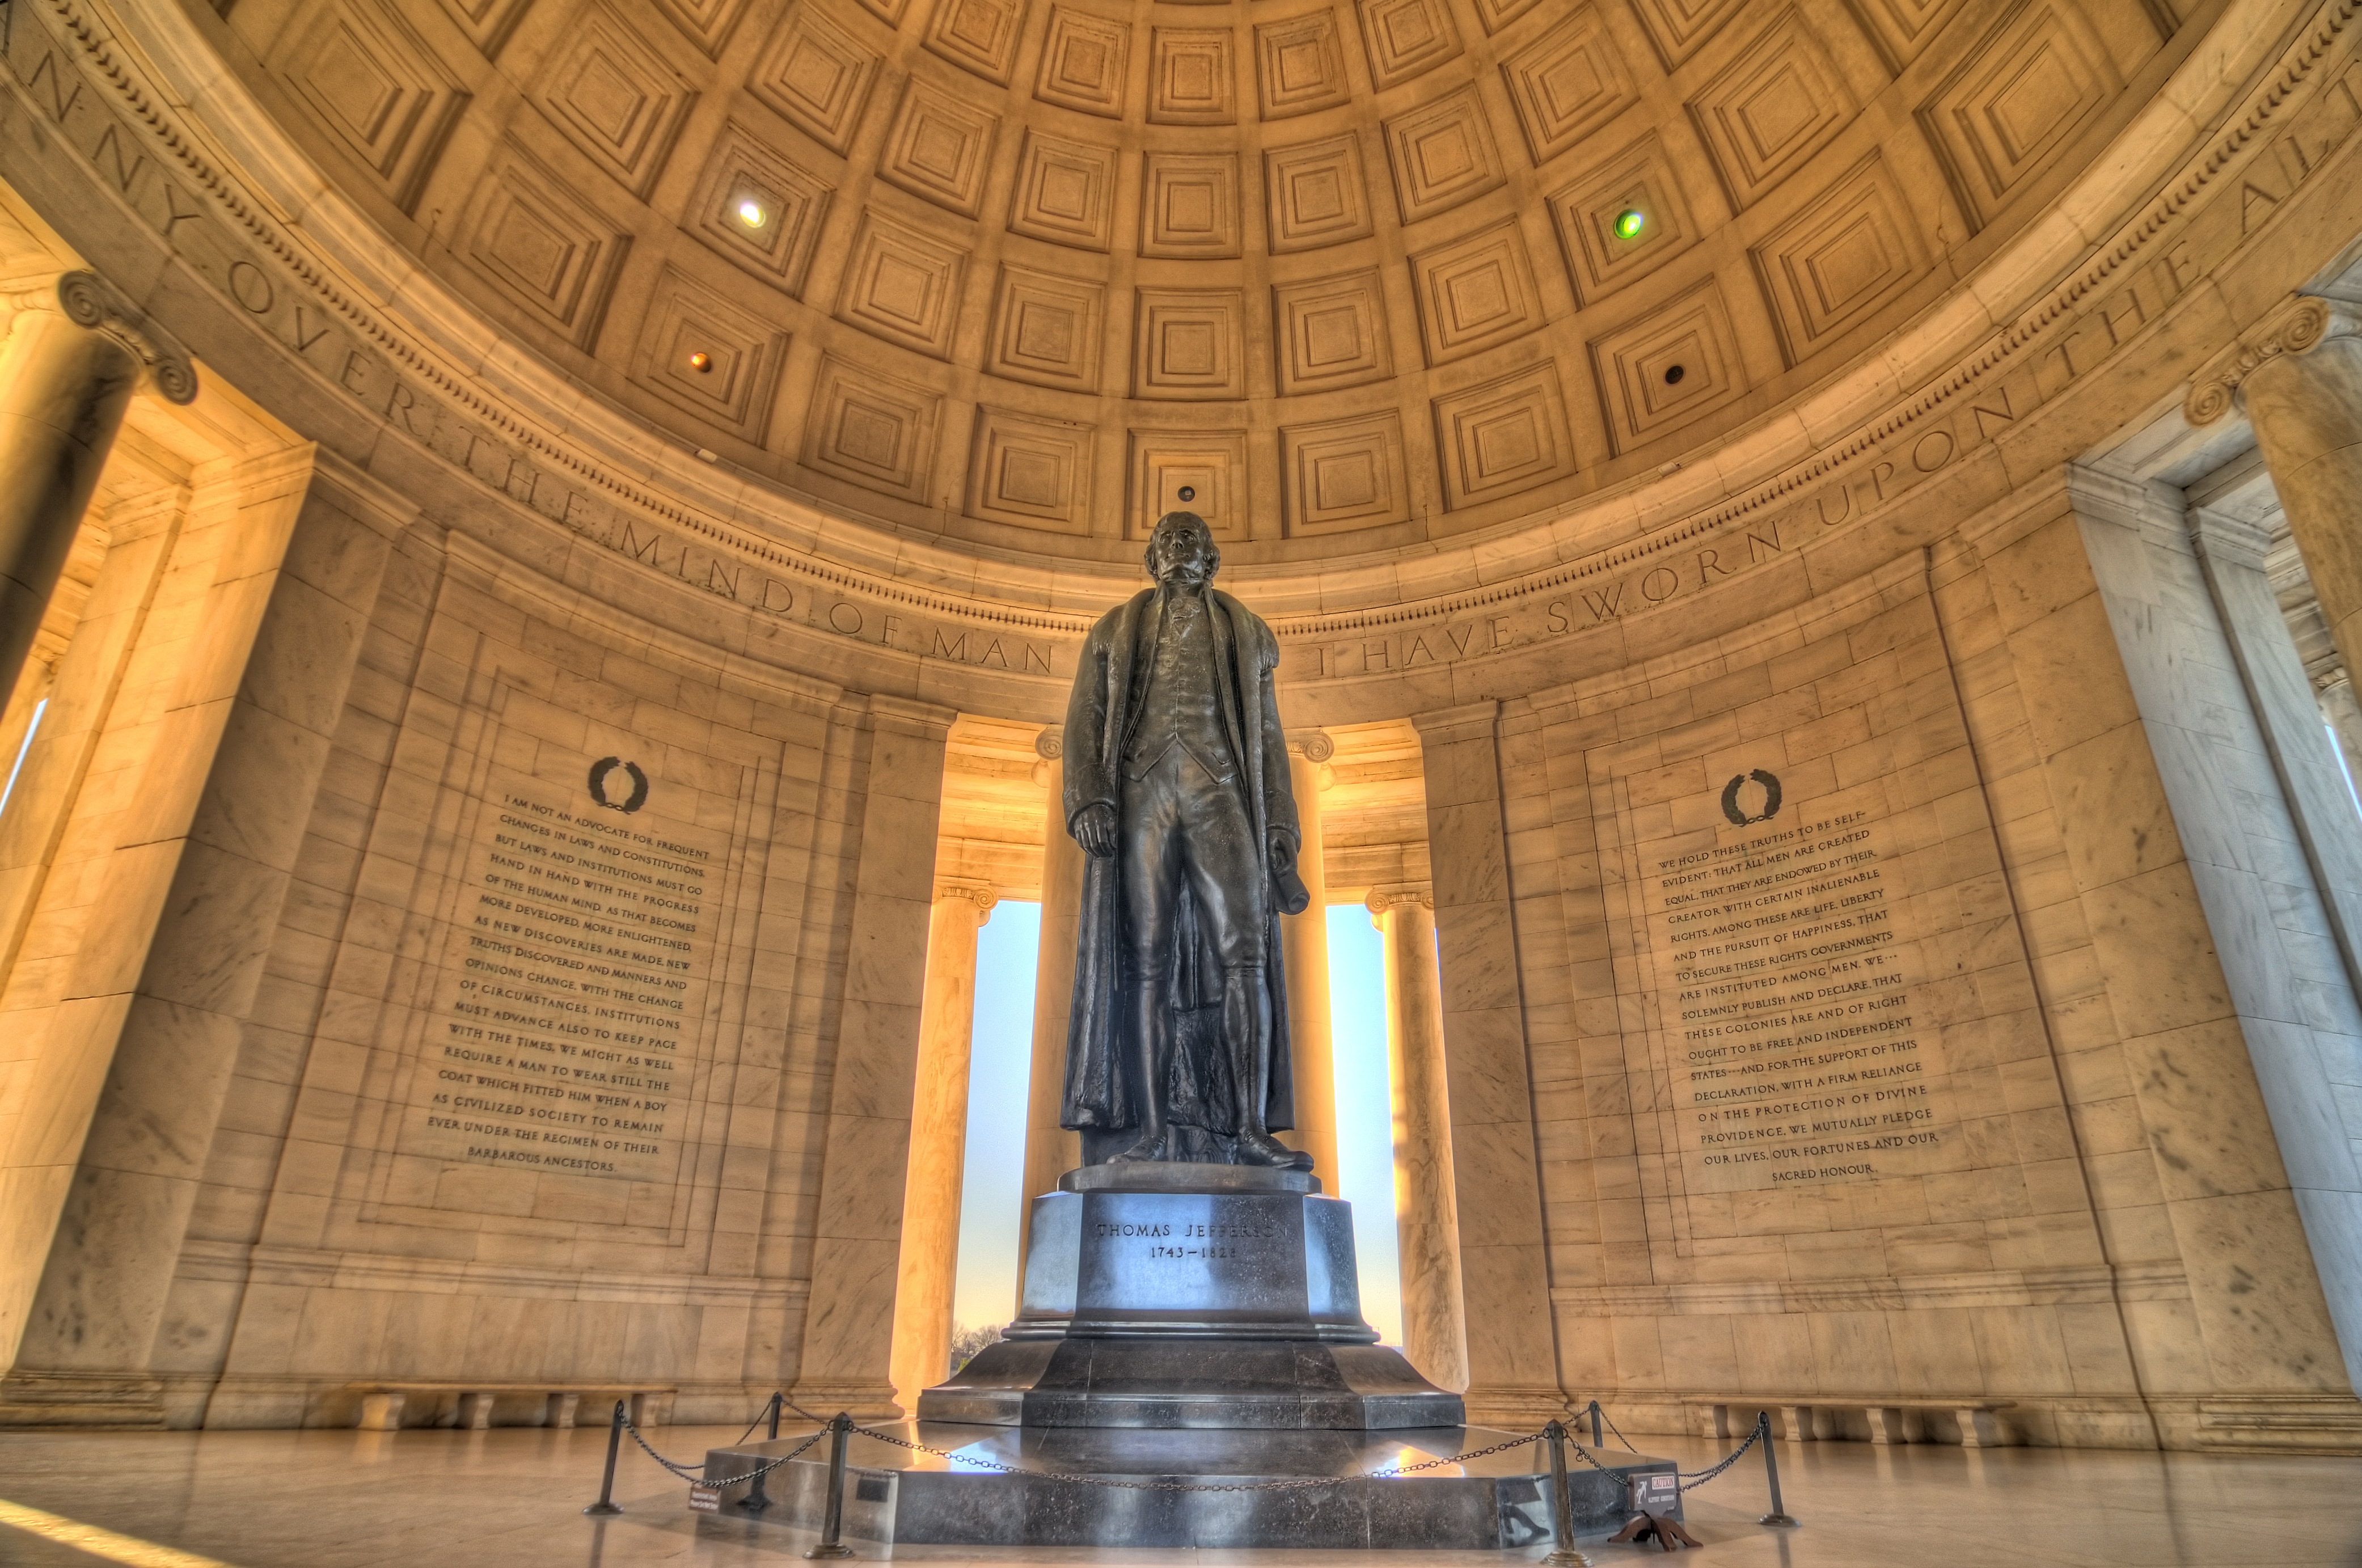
(301,1234)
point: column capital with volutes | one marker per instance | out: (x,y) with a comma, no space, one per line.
(2301,324)
(983,895)
(1384,897)
(90,301)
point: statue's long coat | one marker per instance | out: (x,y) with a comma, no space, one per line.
(1110,683)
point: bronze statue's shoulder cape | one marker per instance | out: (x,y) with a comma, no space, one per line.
(1110,681)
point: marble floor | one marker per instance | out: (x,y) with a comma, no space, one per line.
(512,1499)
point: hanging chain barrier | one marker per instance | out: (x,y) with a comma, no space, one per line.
(1553,1436)
(1700,1478)
(697,1475)
(1691,1479)
(1598,1415)
(623,1423)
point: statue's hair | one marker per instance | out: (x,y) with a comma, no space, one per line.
(1177,519)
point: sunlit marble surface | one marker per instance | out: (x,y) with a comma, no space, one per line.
(510,1499)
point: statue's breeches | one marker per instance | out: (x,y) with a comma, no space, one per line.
(1184,827)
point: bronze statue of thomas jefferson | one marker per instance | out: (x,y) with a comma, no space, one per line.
(1177,790)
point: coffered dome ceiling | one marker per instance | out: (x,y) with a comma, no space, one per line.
(1352,275)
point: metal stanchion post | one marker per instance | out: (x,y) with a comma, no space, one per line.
(776,1399)
(1779,1515)
(1596,1441)
(606,1503)
(840,1431)
(1562,1552)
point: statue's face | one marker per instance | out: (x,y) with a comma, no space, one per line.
(1181,552)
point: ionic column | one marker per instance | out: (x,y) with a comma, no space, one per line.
(1427,1211)
(931,1193)
(2231,553)
(1050,1150)
(1304,946)
(1495,1172)
(68,368)
(847,1359)
(2343,715)
(2299,378)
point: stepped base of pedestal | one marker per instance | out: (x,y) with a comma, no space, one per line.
(894,1496)
(1180,1383)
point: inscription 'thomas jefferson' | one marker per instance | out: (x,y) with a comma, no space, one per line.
(562,1035)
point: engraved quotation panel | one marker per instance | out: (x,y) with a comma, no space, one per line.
(565,1033)
(1818,978)
(1796,1048)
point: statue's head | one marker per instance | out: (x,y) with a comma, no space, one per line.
(1181,551)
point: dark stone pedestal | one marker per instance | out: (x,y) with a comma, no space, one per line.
(893,1497)
(1191,1296)
(1183,1326)
(1200,1384)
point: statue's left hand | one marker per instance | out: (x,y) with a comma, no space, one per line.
(1283,847)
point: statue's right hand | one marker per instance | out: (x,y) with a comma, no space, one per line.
(1094,830)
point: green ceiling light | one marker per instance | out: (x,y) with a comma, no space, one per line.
(1629,223)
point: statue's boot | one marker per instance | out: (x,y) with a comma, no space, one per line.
(1147,1022)
(1246,1030)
